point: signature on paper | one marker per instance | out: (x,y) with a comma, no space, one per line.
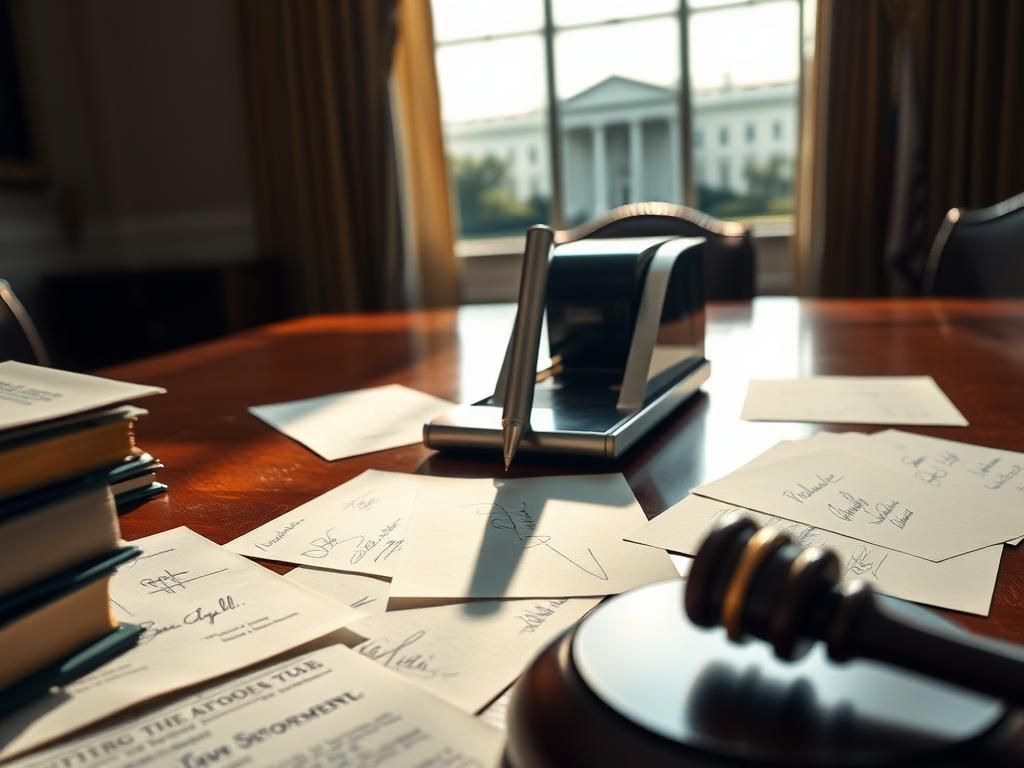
(521,524)
(380,545)
(864,562)
(169,582)
(400,656)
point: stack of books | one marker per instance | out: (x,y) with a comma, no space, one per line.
(66,440)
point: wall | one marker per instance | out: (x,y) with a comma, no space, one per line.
(138,111)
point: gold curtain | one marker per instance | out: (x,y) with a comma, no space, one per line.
(914,108)
(324,175)
(431,276)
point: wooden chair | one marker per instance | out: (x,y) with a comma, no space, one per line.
(19,339)
(979,252)
(729,266)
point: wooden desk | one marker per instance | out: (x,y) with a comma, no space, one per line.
(229,472)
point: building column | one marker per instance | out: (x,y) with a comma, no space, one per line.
(675,167)
(600,172)
(636,161)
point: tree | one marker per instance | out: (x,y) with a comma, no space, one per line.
(486,200)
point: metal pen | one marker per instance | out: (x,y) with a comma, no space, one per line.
(522,369)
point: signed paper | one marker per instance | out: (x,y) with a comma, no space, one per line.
(326,707)
(205,611)
(989,477)
(367,594)
(359,526)
(963,583)
(465,653)
(31,393)
(847,494)
(852,399)
(352,423)
(530,538)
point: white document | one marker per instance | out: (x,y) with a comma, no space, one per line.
(359,526)
(31,393)
(995,475)
(852,400)
(963,583)
(528,538)
(465,653)
(846,494)
(988,476)
(325,707)
(368,594)
(351,423)
(205,611)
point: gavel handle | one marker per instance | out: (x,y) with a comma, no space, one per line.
(886,631)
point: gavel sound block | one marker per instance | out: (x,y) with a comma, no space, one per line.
(641,682)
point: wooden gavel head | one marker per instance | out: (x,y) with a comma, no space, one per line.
(756,581)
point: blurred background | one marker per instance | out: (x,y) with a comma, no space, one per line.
(173,172)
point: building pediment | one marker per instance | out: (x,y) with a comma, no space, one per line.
(615,93)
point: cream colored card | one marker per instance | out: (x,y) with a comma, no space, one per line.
(852,399)
(205,611)
(985,475)
(351,423)
(368,594)
(846,494)
(31,393)
(466,653)
(995,475)
(963,583)
(532,537)
(325,707)
(359,526)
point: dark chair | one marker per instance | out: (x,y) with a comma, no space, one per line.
(19,339)
(979,253)
(729,267)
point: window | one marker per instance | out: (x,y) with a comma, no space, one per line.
(609,131)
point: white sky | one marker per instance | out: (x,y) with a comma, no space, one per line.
(749,45)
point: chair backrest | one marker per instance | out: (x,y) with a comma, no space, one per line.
(979,252)
(19,339)
(729,265)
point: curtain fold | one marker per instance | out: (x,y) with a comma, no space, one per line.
(324,175)
(916,110)
(431,274)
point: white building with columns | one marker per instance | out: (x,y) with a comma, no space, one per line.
(620,143)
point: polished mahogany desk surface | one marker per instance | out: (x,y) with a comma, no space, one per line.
(229,472)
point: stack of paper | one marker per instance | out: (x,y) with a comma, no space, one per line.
(464,580)
(922,518)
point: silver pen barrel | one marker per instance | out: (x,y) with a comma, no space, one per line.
(522,370)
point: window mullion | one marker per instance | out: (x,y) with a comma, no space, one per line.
(554,121)
(689,193)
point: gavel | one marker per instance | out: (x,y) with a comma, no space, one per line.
(757,582)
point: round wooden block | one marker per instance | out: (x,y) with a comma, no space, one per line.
(637,683)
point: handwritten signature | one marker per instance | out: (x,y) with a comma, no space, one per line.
(362,546)
(169,582)
(803,491)
(200,615)
(520,523)
(533,618)
(398,657)
(862,564)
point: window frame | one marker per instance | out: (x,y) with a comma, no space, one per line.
(481,246)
